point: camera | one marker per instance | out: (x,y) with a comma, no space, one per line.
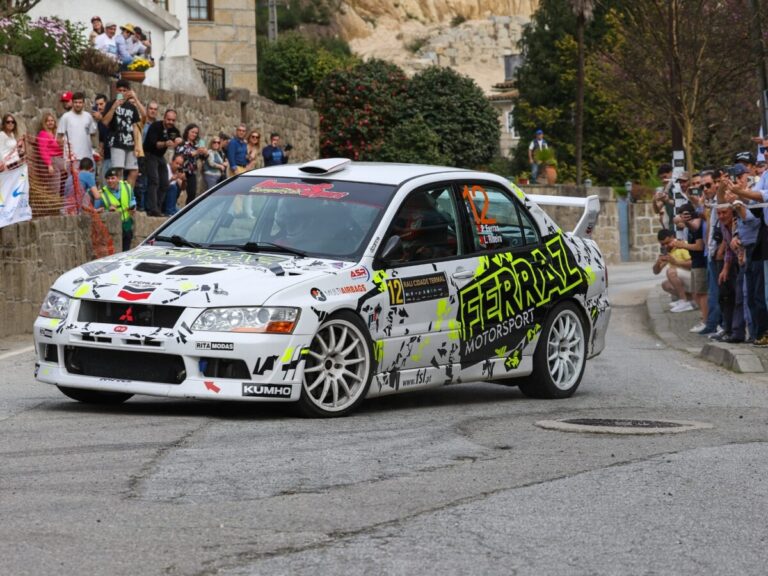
(288,147)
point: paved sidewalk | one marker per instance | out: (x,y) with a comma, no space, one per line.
(673,330)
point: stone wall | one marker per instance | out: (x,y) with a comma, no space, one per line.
(643,227)
(643,224)
(27,100)
(33,254)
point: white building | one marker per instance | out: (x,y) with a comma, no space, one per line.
(164,21)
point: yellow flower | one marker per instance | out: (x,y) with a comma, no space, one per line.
(139,65)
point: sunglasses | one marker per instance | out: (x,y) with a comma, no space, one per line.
(707,185)
(255,136)
(9,121)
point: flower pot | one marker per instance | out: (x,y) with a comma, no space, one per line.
(133,76)
(550,173)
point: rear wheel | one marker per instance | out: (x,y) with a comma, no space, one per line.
(94,396)
(560,357)
(338,368)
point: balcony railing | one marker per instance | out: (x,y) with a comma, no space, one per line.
(213,77)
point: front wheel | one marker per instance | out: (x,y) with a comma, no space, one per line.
(560,357)
(338,368)
(94,396)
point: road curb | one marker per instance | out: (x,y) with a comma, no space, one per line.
(734,358)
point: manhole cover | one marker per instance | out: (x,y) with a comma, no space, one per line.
(621,425)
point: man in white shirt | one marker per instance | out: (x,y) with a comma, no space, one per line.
(106,42)
(77,127)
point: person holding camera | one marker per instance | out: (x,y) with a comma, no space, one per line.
(161,137)
(273,154)
(693,227)
(121,116)
(746,239)
(677,262)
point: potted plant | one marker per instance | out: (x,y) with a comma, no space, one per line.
(136,70)
(523,178)
(547,160)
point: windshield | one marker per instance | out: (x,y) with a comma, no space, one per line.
(321,218)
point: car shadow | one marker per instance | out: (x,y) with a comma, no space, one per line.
(453,395)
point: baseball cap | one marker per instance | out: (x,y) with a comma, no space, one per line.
(111,172)
(95,18)
(683,176)
(110,25)
(739,169)
(686,208)
(539,131)
(745,156)
(66,97)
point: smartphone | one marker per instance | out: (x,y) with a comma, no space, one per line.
(119,96)
(201,143)
(663,250)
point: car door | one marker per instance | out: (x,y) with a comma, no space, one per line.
(413,317)
(498,308)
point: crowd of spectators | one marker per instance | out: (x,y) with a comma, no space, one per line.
(714,247)
(124,155)
(130,44)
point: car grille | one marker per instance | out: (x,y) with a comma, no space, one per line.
(129,313)
(124,365)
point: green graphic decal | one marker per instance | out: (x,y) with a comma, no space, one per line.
(507,295)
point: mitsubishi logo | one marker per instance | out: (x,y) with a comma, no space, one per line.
(128,316)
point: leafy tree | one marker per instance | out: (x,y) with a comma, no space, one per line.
(459,113)
(676,60)
(615,146)
(295,60)
(412,140)
(358,107)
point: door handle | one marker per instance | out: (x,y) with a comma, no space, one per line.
(463,274)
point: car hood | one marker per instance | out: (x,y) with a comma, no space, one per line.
(192,277)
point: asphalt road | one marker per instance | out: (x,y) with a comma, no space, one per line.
(452,481)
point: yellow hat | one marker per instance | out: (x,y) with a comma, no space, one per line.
(128,27)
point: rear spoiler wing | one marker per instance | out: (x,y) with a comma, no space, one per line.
(590,204)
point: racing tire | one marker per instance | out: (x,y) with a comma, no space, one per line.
(338,368)
(94,396)
(560,357)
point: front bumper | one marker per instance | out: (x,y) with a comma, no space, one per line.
(172,362)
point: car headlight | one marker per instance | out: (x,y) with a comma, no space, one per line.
(252,319)
(55,305)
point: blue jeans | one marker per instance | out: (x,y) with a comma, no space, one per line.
(171,197)
(755,292)
(713,295)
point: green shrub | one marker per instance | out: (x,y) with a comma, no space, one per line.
(297,61)
(37,51)
(458,20)
(358,108)
(455,107)
(412,141)
(416,44)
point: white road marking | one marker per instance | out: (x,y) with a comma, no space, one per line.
(17,352)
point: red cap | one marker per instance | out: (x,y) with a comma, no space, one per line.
(66,97)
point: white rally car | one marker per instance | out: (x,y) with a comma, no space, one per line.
(331,282)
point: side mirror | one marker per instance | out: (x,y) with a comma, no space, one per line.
(392,247)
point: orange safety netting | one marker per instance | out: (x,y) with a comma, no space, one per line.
(54,189)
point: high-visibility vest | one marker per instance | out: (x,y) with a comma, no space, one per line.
(109,200)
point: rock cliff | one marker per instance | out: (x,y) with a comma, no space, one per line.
(471,36)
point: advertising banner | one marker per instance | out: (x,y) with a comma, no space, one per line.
(14,196)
